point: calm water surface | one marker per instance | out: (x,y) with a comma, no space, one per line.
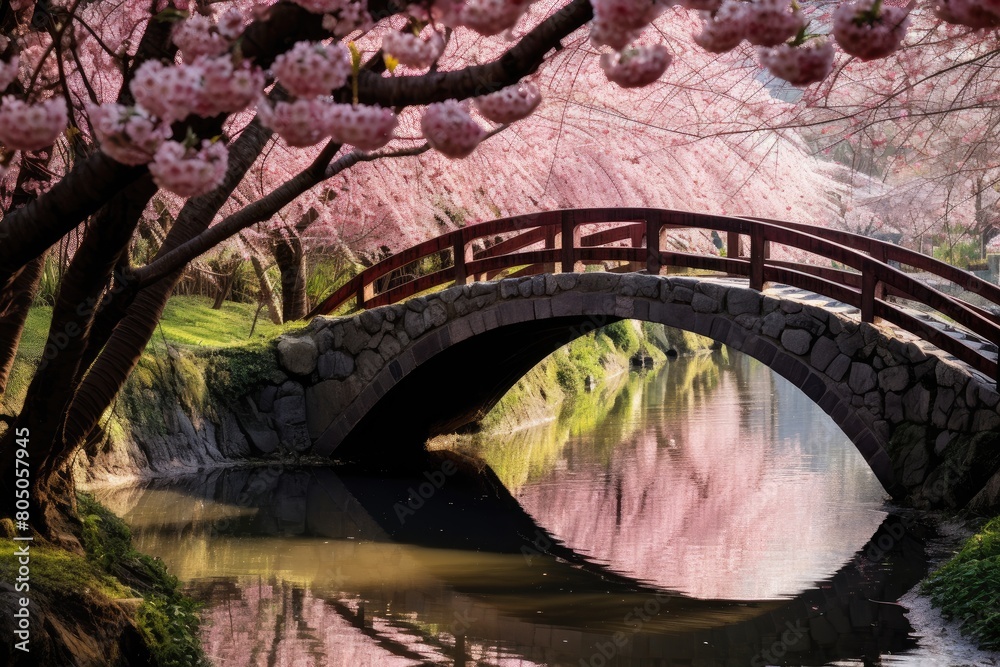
(703,514)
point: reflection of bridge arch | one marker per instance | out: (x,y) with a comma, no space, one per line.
(584,604)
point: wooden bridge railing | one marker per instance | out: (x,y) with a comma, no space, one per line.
(537,243)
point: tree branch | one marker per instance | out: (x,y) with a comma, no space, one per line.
(518,62)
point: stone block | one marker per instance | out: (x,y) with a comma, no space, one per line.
(389,347)
(805,322)
(702,303)
(335,365)
(297,355)
(916,404)
(371,320)
(823,352)
(773,324)
(895,378)
(951,375)
(414,324)
(838,367)
(893,407)
(368,364)
(796,341)
(740,301)
(435,314)
(862,378)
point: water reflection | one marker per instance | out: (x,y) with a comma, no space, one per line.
(338,566)
(708,462)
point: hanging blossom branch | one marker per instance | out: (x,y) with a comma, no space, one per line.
(320,170)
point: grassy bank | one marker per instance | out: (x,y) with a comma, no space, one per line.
(967,587)
(110,606)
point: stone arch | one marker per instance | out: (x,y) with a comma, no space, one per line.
(364,371)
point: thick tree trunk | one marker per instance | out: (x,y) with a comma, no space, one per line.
(129,324)
(230,270)
(52,387)
(13,314)
(292,264)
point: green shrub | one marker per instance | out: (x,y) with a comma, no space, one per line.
(967,587)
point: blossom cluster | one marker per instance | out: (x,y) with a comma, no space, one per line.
(636,67)
(312,68)
(189,171)
(450,129)
(129,135)
(972,13)
(510,104)
(31,127)
(307,121)
(411,50)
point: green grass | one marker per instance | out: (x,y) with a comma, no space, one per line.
(967,587)
(190,320)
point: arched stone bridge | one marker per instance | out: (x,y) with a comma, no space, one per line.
(926,419)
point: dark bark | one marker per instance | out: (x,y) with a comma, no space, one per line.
(13,314)
(129,324)
(266,293)
(87,278)
(291,263)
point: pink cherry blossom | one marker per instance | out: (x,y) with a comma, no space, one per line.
(128,134)
(167,91)
(348,17)
(230,24)
(196,36)
(303,122)
(18,5)
(411,50)
(702,5)
(605,33)
(450,130)
(8,71)
(31,127)
(511,103)
(365,127)
(725,30)
(225,88)
(492,17)
(799,65)
(321,6)
(972,13)
(636,67)
(312,68)
(770,22)
(863,33)
(188,172)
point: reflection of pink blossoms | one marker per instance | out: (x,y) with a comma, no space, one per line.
(300,123)
(724,31)
(311,68)
(866,35)
(8,72)
(511,103)
(128,134)
(169,92)
(412,51)
(226,89)
(799,65)
(188,172)
(31,127)
(367,128)
(636,67)
(195,37)
(769,22)
(450,129)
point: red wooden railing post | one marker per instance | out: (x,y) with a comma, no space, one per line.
(569,241)
(551,243)
(733,245)
(760,249)
(366,291)
(461,255)
(869,286)
(653,245)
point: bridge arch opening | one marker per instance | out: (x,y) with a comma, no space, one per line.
(452,374)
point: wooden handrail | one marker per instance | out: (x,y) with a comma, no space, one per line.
(539,241)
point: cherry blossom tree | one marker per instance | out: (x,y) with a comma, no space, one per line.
(106,105)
